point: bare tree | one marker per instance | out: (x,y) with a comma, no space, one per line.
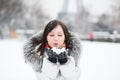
(18,14)
(10,10)
(115,16)
(35,16)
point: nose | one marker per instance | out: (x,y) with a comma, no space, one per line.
(56,38)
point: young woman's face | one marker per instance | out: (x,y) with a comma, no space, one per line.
(56,37)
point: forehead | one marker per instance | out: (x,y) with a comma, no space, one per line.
(58,28)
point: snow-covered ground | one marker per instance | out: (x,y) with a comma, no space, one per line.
(99,61)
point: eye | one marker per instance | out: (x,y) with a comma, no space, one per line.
(59,35)
(51,35)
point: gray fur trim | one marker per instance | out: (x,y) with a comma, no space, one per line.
(35,59)
(30,52)
(75,53)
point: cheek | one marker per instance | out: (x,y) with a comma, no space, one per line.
(48,39)
(62,40)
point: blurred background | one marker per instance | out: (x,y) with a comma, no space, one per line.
(91,19)
(97,22)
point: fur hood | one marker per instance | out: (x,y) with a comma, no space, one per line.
(35,59)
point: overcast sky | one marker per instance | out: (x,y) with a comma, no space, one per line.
(95,7)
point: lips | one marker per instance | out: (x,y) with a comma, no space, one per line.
(55,44)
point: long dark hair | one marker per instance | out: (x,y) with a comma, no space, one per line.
(48,28)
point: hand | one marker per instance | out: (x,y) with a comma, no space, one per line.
(52,56)
(62,58)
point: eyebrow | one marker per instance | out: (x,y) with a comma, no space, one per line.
(58,32)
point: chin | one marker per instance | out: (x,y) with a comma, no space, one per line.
(55,47)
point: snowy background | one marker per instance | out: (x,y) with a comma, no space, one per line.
(99,61)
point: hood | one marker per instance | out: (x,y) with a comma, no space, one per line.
(33,42)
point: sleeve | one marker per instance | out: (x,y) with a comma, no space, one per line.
(49,69)
(29,50)
(69,70)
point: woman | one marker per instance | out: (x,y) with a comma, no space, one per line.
(54,53)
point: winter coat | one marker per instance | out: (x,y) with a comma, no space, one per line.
(46,70)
